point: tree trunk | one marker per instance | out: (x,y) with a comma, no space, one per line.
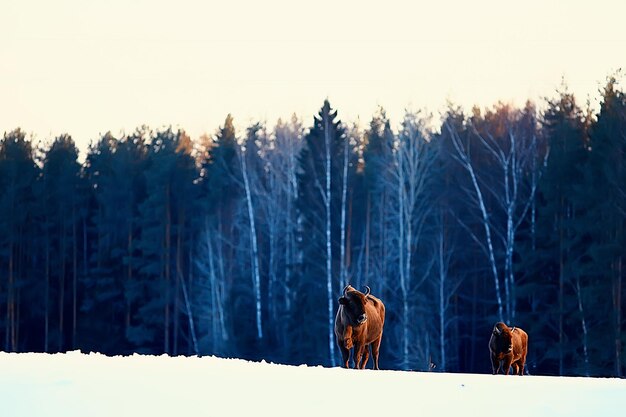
(179,278)
(62,288)
(368,221)
(561,286)
(256,278)
(382,238)
(467,164)
(442,303)
(349,235)
(617,303)
(9,321)
(583,325)
(271,262)
(344,191)
(291,223)
(47,296)
(401,266)
(329,253)
(181,283)
(129,275)
(166,272)
(17,294)
(217,313)
(74,277)
(190,284)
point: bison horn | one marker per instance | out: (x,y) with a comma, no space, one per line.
(367,292)
(345,289)
(496,331)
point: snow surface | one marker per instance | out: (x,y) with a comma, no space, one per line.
(75,384)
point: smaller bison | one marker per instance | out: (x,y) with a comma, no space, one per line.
(508,347)
(359,325)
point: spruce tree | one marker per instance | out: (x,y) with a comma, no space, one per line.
(551,260)
(604,192)
(319,206)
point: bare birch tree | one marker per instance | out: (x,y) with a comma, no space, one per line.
(254,251)
(329,250)
(409,208)
(512,192)
(277,203)
(378,158)
(446,286)
(344,201)
(213,284)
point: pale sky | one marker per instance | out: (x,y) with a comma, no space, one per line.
(85,67)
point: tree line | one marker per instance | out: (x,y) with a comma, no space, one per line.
(240,243)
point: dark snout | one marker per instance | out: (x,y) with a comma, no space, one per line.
(362,318)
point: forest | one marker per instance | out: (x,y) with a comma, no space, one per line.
(238,244)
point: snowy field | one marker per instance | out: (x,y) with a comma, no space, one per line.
(74,384)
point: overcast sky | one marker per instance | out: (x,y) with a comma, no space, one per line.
(85,67)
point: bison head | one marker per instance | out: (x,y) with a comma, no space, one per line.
(353,303)
(503,337)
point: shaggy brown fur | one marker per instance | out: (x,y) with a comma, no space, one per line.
(508,347)
(359,325)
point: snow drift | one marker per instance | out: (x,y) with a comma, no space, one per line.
(76,384)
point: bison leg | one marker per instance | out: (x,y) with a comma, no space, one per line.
(495,364)
(345,355)
(347,338)
(522,363)
(515,368)
(376,351)
(506,364)
(366,357)
(358,354)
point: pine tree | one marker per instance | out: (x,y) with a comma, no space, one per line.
(62,185)
(115,171)
(18,187)
(165,214)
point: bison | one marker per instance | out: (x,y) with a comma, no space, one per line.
(359,324)
(508,347)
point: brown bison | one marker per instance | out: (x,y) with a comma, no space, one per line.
(508,347)
(359,324)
